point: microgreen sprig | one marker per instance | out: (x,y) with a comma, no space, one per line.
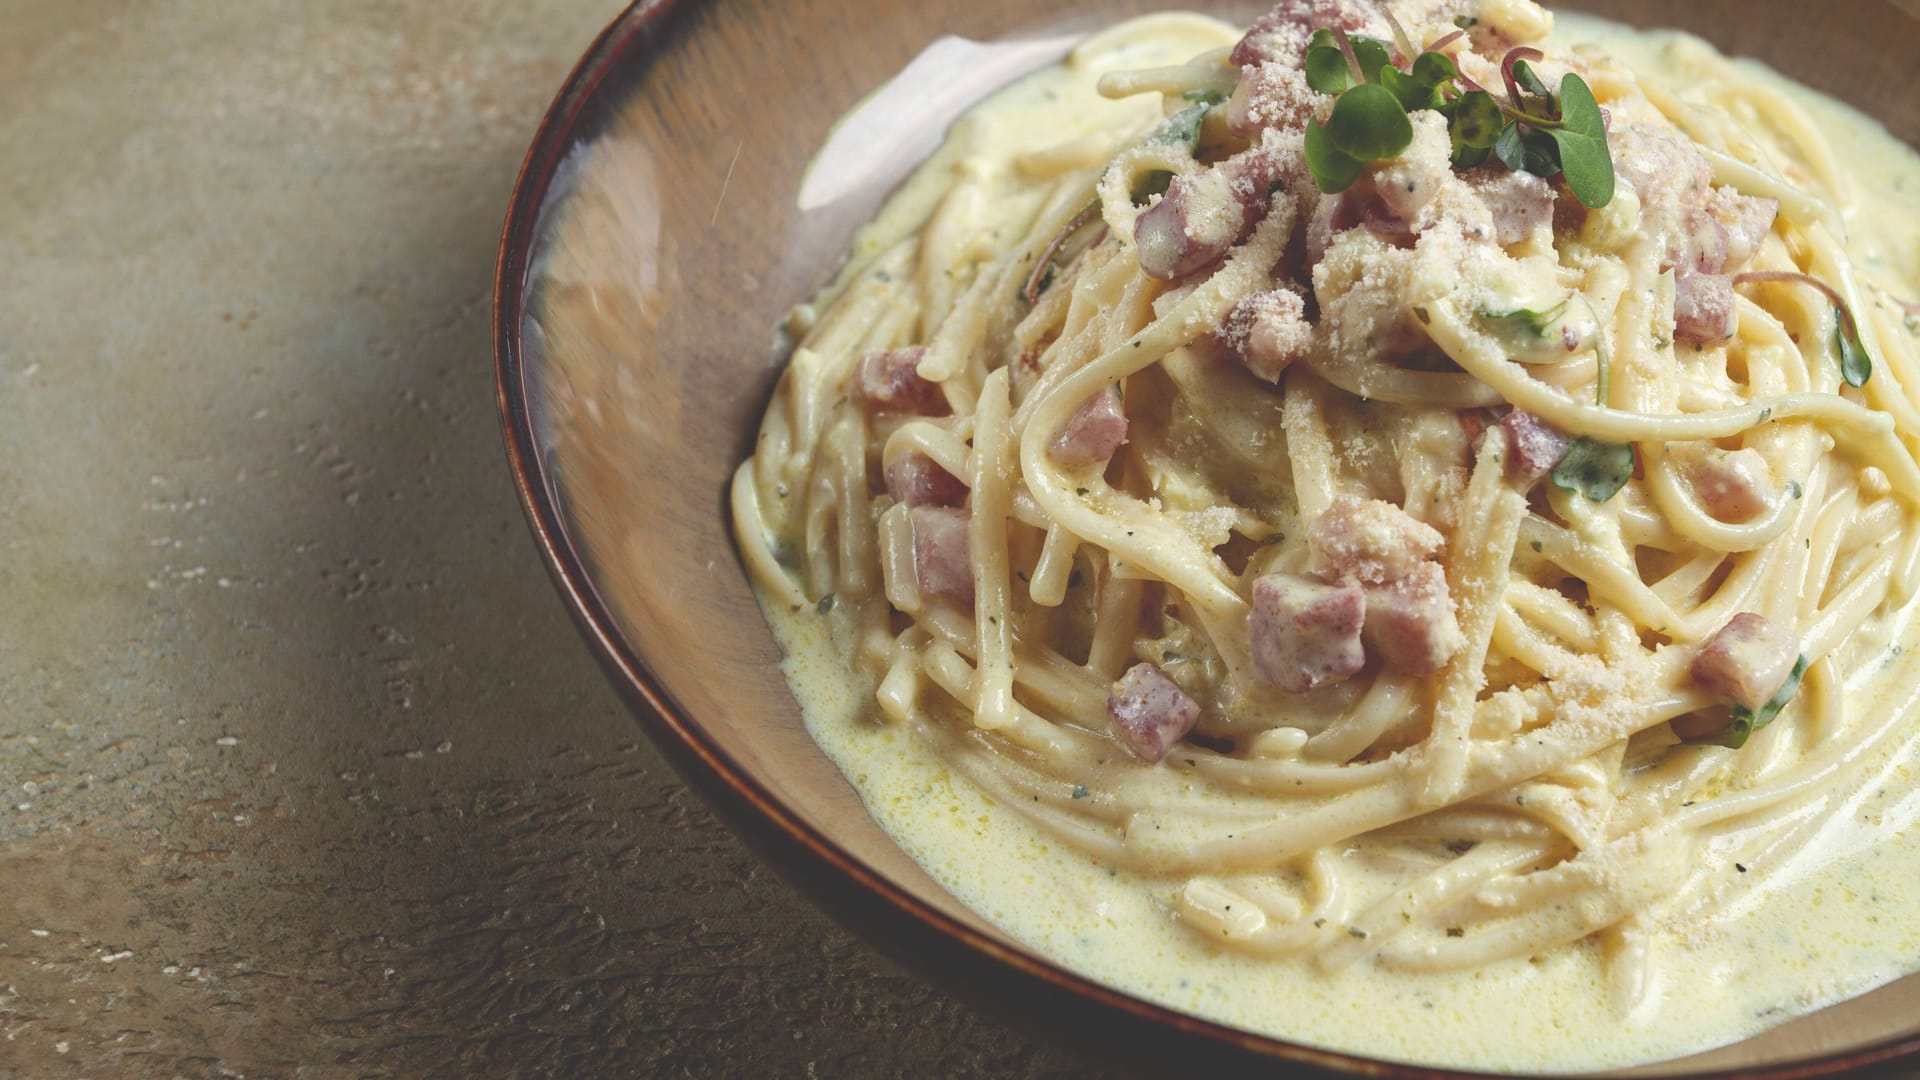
(1534,133)
(1856,367)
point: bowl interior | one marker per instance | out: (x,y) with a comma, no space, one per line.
(657,239)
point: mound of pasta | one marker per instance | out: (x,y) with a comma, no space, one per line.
(1415,498)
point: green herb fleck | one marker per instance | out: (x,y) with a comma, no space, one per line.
(1203,97)
(825,605)
(1595,469)
(1456,931)
(1079,791)
(1356,932)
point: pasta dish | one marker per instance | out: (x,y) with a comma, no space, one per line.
(1403,497)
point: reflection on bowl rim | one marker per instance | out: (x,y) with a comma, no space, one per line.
(624,40)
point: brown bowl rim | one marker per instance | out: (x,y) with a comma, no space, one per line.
(622,41)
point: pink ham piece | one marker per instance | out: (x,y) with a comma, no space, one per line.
(1304,633)
(1732,485)
(1745,220)
(1746,661)
(1703,307)
(1268,331)
(915,479)
(1410,623)
(942,553)
(1093,433)
(1534,446)
(1520,202)
(1271,96)
(1281,35)
(1150,712)
(889,381)
(1371,541)
(1204,214)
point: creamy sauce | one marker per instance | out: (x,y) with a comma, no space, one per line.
(1804,937)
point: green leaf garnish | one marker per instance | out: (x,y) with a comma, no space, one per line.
(1372,55)
(1525,322)
(1326,66)
(1183,126)
(1582,139)
(1333,171)
(1855,365)
(1368,124)
(1593,468)
(1524,75)
(1369,120)
(1527,150)
(1435,69)
(1475,122)
(1747,721)
(1602,357)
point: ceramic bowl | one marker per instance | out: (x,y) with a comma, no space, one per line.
(655,239)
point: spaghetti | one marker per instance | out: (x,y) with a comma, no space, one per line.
(1420,573)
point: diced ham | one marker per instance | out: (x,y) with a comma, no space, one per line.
(1268,331)
(1534,446)
(1304,633)
(942,553)
(1703,307)
(1204,214)
(1521,203)
(889,381)
(1745,220)
(1410,623)
(1664,168)
(1370,540)
(1093,433)
(1283,33)
(1732,485)
(1150,712)
(915,479)
(1271,96)
(1746,661)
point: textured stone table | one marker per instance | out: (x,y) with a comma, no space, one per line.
(305,771)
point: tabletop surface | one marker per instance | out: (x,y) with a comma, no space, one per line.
(305,770)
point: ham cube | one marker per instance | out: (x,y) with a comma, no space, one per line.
(1521,203)
(889,381)
(1410,623)
(1745,221)
(1732,485)
(1150,712)
(1271,96)
(1093,433)
(1268,331)
(1304,633)
(1204,214)
(1281,35)
(1747,661)
(1370,540)
(1703,307)
(915,479)
(1534,446)
(942,553)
